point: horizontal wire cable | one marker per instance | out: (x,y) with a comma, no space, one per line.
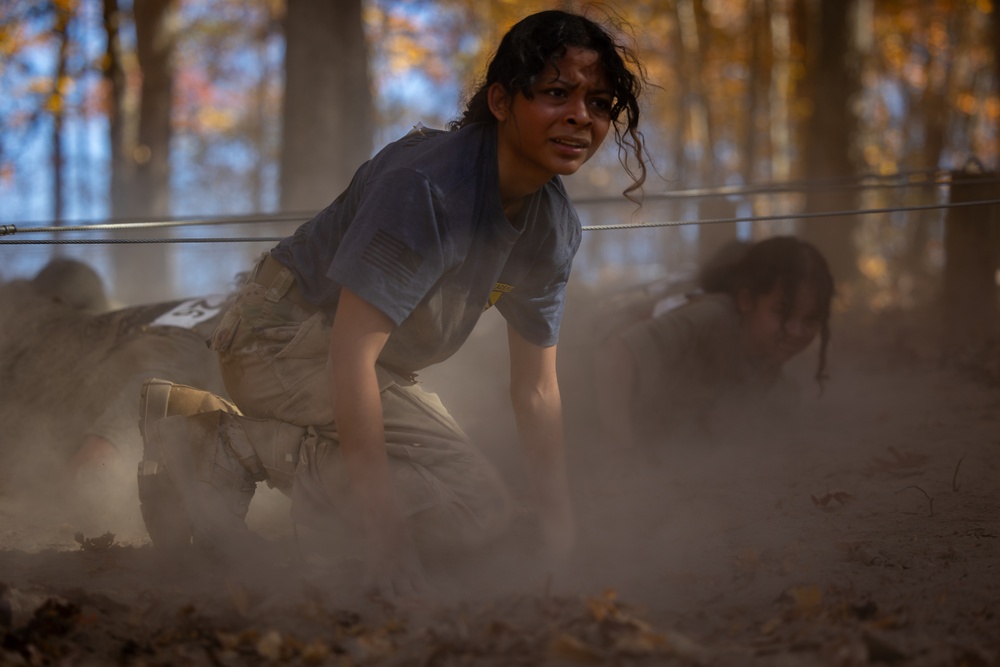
(847,183)
(751,190)
(199,221)
(188,239)
(793,216)
(586,228)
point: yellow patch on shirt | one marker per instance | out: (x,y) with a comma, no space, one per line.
(498,291)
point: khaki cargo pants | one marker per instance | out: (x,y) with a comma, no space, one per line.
(273,356)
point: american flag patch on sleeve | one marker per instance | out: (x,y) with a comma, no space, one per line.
(392,256)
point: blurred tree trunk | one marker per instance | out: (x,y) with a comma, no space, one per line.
(972,249)
(700,135)
(757,138)
(996,63)
(259,134)
(140,143)
(328,108)
(832,86)
(673,209)
(156,36)
(57,104)
(996,76)
(122,111)
(757,91)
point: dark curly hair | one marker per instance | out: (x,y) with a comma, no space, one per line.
(542,39)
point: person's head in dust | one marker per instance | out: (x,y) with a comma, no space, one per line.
(783,289)
(72,283)
(527,65)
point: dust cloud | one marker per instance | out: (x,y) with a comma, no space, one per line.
(874,500)
(638,519)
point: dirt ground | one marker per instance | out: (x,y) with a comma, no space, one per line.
(865,532)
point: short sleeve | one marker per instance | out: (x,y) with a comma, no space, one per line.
(535,307)
(540,265)
(397,246)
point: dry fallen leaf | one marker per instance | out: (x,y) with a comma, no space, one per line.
(823,501)
(315,653)
(102,543)
(603,606)
(269,645)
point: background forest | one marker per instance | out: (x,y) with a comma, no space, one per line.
(848,533)
(259,111)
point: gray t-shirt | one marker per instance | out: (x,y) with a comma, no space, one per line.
(421,235)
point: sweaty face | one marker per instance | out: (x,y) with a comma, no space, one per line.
(560,126)
(771,337)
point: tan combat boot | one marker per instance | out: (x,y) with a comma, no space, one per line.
(164,510)
(201,463)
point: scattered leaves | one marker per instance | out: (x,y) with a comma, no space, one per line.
(603,606)
(102,543)
(316,653)
(373,645)
(625,634)
(43,639)
(269,645)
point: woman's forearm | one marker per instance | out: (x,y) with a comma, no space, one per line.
(540,430)
(358,411)
(358,335)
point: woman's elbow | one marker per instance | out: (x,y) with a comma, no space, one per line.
(535,396)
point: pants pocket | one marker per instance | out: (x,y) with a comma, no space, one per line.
(310,341)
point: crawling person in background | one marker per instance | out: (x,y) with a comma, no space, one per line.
(727,346)
(72,370)
(321,348)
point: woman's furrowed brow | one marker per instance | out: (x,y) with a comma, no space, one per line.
(573,85)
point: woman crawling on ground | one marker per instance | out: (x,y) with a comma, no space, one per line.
(725,347)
